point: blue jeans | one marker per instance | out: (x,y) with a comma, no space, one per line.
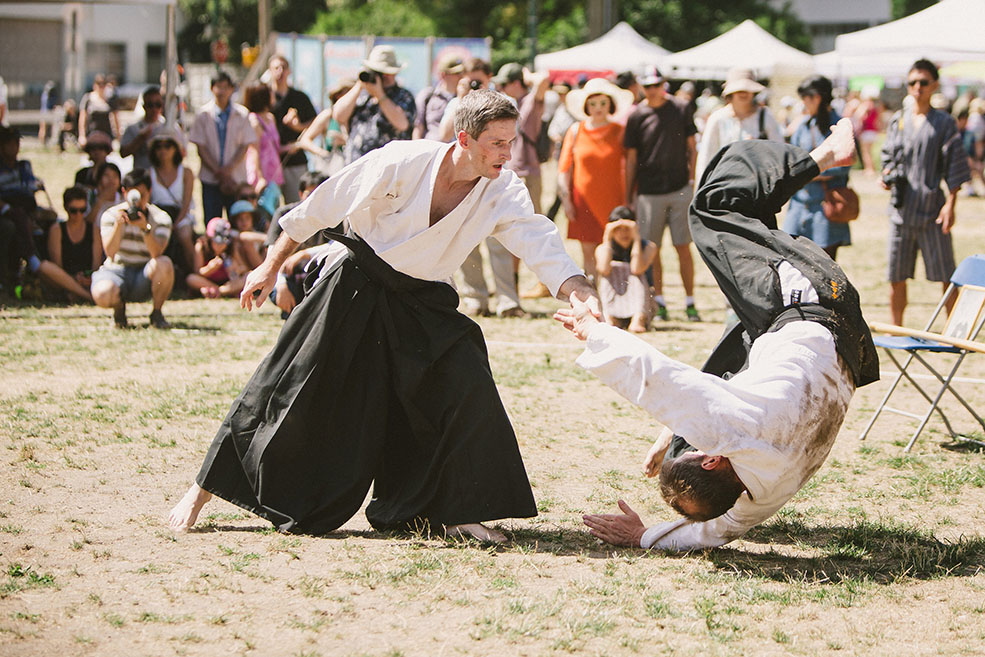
(214,201)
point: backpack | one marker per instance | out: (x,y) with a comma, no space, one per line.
(543,145)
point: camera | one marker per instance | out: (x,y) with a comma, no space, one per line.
(368,76)
(475,84)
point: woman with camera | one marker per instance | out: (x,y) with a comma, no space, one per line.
(220,266)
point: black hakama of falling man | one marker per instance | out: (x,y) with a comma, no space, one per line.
(376,379)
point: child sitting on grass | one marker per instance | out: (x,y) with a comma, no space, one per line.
(220,266)
(621,262)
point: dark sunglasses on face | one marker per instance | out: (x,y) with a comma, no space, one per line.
(162,145)
(249,197)
(922,82)
(76,210)
(154,105)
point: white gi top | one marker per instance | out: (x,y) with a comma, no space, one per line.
(775,421)
(385,197)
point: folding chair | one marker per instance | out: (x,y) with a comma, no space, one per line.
(957,338)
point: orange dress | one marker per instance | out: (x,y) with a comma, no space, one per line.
(599,181)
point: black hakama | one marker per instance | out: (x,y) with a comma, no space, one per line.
(377,379)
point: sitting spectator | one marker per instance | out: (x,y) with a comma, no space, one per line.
(137,137)
(242,219)
(289,289)
(96,112)
(261,218)
(73,253)
(107,193)
(263,168)
(220,266)
(171,190)
(98,147)
(621,261)
(17,204)
(134,236)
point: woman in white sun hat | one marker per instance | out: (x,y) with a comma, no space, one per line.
(741,118)
(591,173)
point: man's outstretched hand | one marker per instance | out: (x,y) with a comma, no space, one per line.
(625,529)
(581,316)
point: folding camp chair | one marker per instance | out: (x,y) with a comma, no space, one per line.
(957,338)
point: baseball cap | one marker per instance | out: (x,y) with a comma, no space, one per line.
(508,73)
(651,75)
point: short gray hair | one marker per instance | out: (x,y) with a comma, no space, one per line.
(481,107)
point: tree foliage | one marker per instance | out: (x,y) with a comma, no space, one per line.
(903,8)
(674,24)
(680,24)
(238,19)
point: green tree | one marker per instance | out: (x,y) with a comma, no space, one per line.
(379,17)
(238,18)
(680,24)
(903,8)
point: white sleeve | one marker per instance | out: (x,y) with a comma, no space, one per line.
(707,147)
(773,130)
(700,406)
(684,534)
(334,200)
(535,239)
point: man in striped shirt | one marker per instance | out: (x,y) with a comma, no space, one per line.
(922,149)
(134,234)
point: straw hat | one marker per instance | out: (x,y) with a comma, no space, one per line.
(383,59)
(741,79)
(575,102)
(99,139)
(164,133)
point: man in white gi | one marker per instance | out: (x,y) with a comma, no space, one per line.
(376,379)
(759,421)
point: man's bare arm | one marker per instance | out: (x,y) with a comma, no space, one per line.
(261,280)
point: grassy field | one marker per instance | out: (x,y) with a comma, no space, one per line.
(102,430)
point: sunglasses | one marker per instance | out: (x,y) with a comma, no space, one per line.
(76,210)
(249,197)
(921,81)
(154,105)
(163,144)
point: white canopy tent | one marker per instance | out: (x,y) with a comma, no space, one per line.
(620,49)
(746,45)
(945,33)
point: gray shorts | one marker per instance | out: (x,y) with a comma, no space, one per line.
(936,247)
(131,279)
(655,212)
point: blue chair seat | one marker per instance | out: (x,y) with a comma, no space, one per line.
(912,344)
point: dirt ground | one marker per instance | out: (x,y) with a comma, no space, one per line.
(101,431)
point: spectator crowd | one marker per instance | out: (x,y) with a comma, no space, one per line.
(628,153)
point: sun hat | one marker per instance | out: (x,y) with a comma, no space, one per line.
(508,73)
(100,139)
(651,76)
(575,102)
(217,226)
(741,79)
(452,64)
(164,133)
(239,207)
(383,59)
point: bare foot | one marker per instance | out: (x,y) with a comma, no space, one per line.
(477,531)
(185,512)
(838,149)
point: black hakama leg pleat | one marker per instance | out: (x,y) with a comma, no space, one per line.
(375,380)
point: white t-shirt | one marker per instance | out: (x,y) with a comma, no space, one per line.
(775,421)
(385,198)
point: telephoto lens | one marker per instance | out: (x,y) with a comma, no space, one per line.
(475,84)
(367,76)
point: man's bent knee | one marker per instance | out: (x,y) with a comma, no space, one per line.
(105,294)
(160,268)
